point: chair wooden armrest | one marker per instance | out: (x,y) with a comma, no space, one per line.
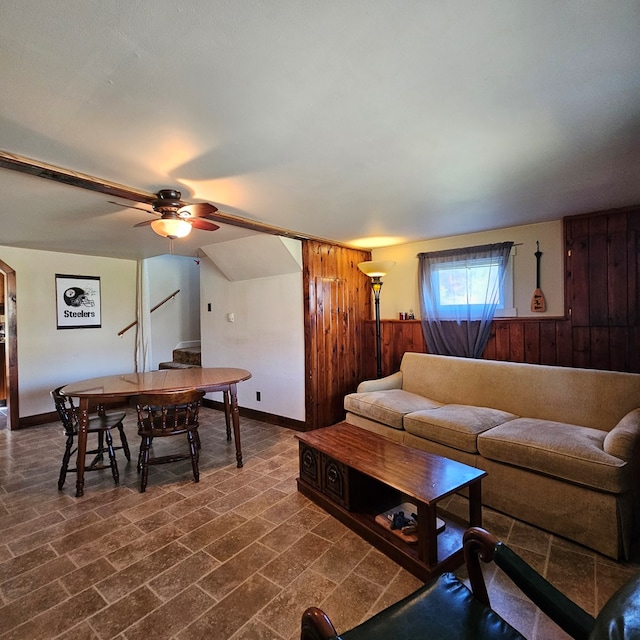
(482,545)
(316,625)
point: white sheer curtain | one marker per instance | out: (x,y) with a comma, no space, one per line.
(143,317)
(459,292)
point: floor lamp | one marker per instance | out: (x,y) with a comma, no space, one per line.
(376,269)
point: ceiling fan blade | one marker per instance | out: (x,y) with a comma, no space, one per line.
(198,209)
(143,224)
(205,225)
(15,162)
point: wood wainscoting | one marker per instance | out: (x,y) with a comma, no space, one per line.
(552,341)
(601,328)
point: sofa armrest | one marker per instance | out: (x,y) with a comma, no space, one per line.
(394,381)
(624,439)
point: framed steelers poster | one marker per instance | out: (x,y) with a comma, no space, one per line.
(78,302)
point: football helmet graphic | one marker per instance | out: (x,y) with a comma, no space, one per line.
(77,297)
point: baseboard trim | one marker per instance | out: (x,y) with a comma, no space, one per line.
(280,421)
(269,418)
(37,420)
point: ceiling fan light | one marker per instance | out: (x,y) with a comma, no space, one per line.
(171,227)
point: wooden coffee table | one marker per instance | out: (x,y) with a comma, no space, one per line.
(355,474)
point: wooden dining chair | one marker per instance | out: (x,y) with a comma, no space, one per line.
(101,422)
(168,414)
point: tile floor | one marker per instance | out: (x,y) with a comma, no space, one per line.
(239,555)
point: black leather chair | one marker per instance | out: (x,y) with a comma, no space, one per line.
(445,609)
(100,422)
(168,414)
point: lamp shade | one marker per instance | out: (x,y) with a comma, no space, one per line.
(171,227)
(376,268)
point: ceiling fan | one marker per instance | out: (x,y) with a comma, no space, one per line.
(177,218)
(166,203)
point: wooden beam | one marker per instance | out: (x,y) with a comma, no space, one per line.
(19,163)
(73,178)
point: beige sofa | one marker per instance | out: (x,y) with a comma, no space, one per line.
(560,445)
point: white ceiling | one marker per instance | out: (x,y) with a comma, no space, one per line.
(343,119)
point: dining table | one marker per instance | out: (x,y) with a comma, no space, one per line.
(127,385)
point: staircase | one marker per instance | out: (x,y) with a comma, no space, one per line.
(184,358)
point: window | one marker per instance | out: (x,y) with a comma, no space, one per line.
(460,292)
(470,284)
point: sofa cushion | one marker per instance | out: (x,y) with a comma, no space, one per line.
(560,450)
(454,425)
(622,441)
(389,406)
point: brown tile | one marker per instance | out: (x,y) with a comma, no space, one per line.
(83,631)
(300,556)
(260,503)
(284,612)
(330,529)
(34,603)
(403,584)
(104,545)
(124,612)
(154,521)
(86,576)
(194,503)
(377,568)
(15,566)
(239,538)
(42,575)
(232,500)
(257,630)
(183,574)
(89,534)
(132,576)
(211,531)
(232,612)
(146,509)
(528,537)
(519,612)
(342,557)
(5,554)
(286,508)
(226,577)
(610,576)
(59,618)
(143,546)
(574,575)
(19,531)
(350,602)
(95,539)
(52,533)
(171,617)
(547,630)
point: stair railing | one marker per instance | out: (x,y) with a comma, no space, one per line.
(135,322)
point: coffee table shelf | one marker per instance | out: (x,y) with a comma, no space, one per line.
(354,474)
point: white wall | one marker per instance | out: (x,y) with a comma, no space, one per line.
(266,337)
(400,285)
(48,357)
(178,320)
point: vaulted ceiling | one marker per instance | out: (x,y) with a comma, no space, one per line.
(379,121)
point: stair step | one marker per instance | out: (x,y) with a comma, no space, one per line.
(177,365)
(189,355)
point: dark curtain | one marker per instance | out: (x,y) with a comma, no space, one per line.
(461,329)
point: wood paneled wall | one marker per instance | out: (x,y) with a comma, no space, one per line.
(601,329)
(337,301)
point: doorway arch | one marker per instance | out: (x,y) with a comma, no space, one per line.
(11,345)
